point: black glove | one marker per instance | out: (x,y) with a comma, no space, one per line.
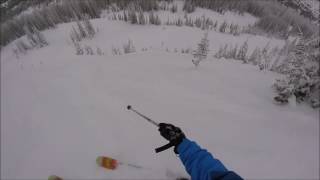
(171,133)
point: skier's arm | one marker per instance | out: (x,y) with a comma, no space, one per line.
(200,164)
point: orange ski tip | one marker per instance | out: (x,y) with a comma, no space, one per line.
(107,162)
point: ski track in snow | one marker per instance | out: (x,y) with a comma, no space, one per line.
(60,111)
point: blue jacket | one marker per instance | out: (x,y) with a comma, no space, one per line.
(201,165)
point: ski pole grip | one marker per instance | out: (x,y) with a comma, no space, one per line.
(164,147)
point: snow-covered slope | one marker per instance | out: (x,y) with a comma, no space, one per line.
(59,111)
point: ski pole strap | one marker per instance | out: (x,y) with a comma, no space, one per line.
(164,147)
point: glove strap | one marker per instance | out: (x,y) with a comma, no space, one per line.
(164,147)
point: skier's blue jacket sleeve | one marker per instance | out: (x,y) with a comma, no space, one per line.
(201,165)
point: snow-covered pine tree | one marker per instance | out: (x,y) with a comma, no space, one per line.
(303,76)
(157,20)
(235,30)
(99,52)
(129,47)
(179,22)
(142,19)
(225,51)
(41,40)
(116,51)
(219,53)
(253,59)
(32,40)
(132,16)
(79,50)
(242,54)
(188,6)
(74,35)
(188,22)
(234,51)
(81,29)
(203,22)
(231,28)
(202,50)
(274,55)
(223,27)
(174,8)
(197,23)
(208,24)
(152,18)
(89,50)
(120,17)
(265,58)
(125,17)
(15,52)
(163,5)
(215,25)
(90,32)
(229,52)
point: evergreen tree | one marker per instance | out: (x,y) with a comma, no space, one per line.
(125,17)
(174,8)
(265,58)
(225,51)
(254,56)
(75,36)
(99,52)
(179,22)
(202,50)
(188,22)
(142,19)
(132,16)
(234,51)
(152,18)
(223,27)
(243,52)
(32,40)
(157,20)
(89,50)
(198,22)
(79,50)
(215,26)
(188,6)
(41,40)
(229,52)
(90,32)
(129,47)
(219,53)
(81,29)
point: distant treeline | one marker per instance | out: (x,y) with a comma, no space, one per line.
(275,18)
(59,11)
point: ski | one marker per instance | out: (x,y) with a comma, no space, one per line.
(107,162)
(112,164)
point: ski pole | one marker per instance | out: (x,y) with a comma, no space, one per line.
(145,117)
(159,149)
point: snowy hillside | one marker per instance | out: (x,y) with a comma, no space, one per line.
(60,110)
